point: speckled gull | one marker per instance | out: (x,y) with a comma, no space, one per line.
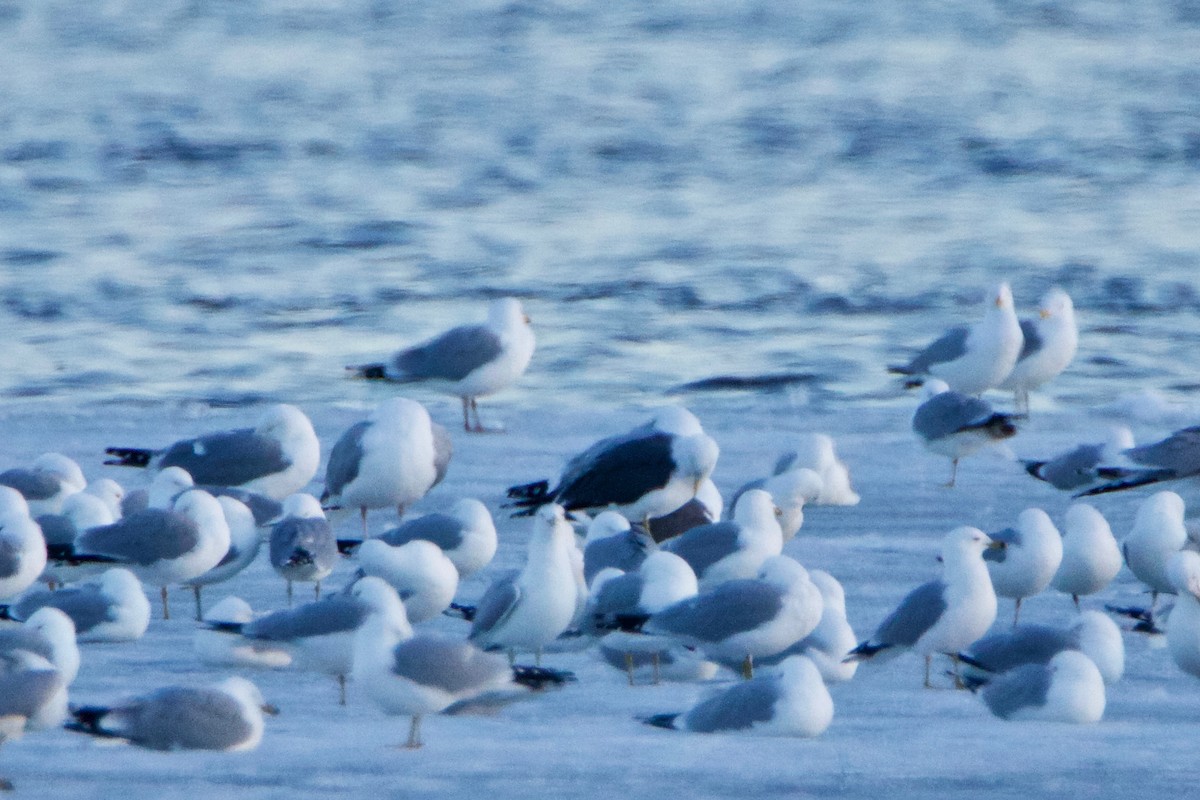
(226,716)
(302,544)
(244,544)
(972,360)
(109,608)
(955,425)
(1068,689)
(1049,344)
(469,361)
(1031,555)
(1175,457)
(390,459)
(791,701)
(22,546)
(944,615)
(46,483)
(645,473)
(734,549)
(277,457)
(1091,557)
(1093,634)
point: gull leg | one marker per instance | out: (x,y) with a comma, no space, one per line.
(1075,597)
(341,690)
(414,733)
(363,512)
(1017,612)
(953,473)
(199,608)
(748,667)
(958,681)
(537,657)
(317,591)
(654,660)
(629,667)
(166,608)
(512,657)
(466,415)
(928,663)
(289,593)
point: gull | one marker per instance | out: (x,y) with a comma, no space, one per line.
(1029,559)
(244,544)
(1068,689)
(215,648)
(739,621)
(111,608)
(79,512)
(645,473)
(49,480)
(1049,344)
(1175,457)
(833,638)
(1158,533)
(1091,557)
(737,548)
(277,457)
(529,609)
(790,702)
(790,489)
(1183,626)
(972,360)
(33,696)
(423,576)
(108,490)
(944,615)
(22,546)
(390,459)
(48,633)
(164,547)
(467,535)
(417,674)
(1093,634)
(955,425)
(302,545)
(1086,463)
(816,451)
(469,361)
(226,716)
(612,543)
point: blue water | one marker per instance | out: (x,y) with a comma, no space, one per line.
(228,201)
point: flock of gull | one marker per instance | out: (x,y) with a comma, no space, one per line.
(665,582)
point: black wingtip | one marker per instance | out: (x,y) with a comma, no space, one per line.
(864,651)
(1034,468)
(6,613)
(538,490)
(541,678)
(222,626)
(86,719)
(461,611)
(129,456)
(370,372)
(348,547)
(1130,482)
(660,721)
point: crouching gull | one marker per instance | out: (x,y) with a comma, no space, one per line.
(50,634)
(1068,689)
(790,702)
(645,473)
(33,696)
(418,674)
(469,361)
(49,480)
(227,716)
(467,535)
(22,546)
(944,615)
(277,457)
(737,548)
(954,425)
(972,360)
(1092,634)
(1175,457)
(109,608)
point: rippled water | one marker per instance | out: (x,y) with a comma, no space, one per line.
(228,201)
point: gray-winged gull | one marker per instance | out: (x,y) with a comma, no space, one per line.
(1091,557)
(390,459)
(792,701)
(302,544)
(790,490)
(1175,457)
(645,473)
(244,544)
(277,457)
(972,360)
(1093,634)
(467,535)
(1049,345)
(733,549)
(79,512)
(22,547)
(46,483)
(612,543)
(1031,554)
(816,451)
(945,615)
(470,361)
(216,648)
(109,608)
(1086,463)
(1068,689)
(954,425)
(1158,533)
(225,716)
(423,576)
(50,634)
(33,696)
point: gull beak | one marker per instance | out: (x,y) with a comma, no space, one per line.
(778,511)
(267,708)
(696,486)
(995,545)
(528,319)
(1044,313)
(999,302)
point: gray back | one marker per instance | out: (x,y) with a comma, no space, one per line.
(451,665)
(619,595)
(1033,339)
(441,529)
(57,528)
(705,545)
(345,459)
(229,458)
(336,614)
(1025,644)
(1074,468)
(180,718)
(737,708)
(625,551)
(496,604)
(452,356)
(1179,452)
(728,609)
(917,613)
(1023,687)
(262,507)
(25,638)
(950,345)
(948,413)
(1011,537)
(32,485)
(84,604)
(143,538)
(10,557)
(25,692)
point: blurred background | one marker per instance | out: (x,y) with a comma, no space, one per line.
(227,202)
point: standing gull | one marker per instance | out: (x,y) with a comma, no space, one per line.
(645,473)
(390,459)
(302,545)
(1158,533)
(22,547)
(736,548)
(972,360)
(833,638)
(469,361)
(944,615)
(1031,554)
(792,701)
(48,633)
(1092,634)
(226,716)
(1091,557)
(244,544)
(1049,345)
(955,425)
(48,481)
(1068,689)
(111,608)
(277,457)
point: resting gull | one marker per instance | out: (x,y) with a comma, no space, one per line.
(22,547)
(816,451)
(423,576)
(1175,457)
(972,360)
(33,696)
(736,548)
(790,489)
(1093,634)
(1183,626)
(944,615)
(467,535)
(110,608)
(49,480)
(1085,464)
(955,425)
(469,361)
(277,457)
(1031,555)
(50,634)
(612,543)
(1068,689)
(216,648)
